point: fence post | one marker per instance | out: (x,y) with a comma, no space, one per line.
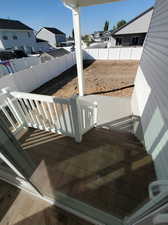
(76,119)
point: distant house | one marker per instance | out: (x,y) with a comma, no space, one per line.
(43,46)
(16,35)
(100,36)
(52,35)
(134,32)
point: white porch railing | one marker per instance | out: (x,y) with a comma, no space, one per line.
(68,116)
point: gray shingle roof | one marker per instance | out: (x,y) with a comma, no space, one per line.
(54,30)
(13,25)
(131,21)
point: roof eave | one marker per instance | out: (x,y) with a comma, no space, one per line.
(76,3)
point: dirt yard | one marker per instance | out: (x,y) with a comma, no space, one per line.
(110,78)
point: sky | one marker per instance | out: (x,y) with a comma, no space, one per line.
(52,13)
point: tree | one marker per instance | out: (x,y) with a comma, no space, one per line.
(121,23)
(106,25)
(87,39)
(114,27)
(73,34)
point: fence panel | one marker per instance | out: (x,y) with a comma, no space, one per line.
(103,53)
(114,53)
(124,53)
(31,78)
(24,63)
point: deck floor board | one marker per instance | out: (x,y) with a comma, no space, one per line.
(109,170)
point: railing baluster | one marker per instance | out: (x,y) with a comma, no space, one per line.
(57,115)
(21,111)
(63,116)
(41,115)
(51,115)
(46,114)
(36,114)
(27,116)
(8,117)
(70,118)
(29,111)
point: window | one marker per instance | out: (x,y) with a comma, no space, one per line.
(119,41)
(135,41)
(29,35)
(15,37)
(5,37)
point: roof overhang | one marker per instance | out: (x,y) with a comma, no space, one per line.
(81,3)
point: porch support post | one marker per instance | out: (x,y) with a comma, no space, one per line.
(78,49)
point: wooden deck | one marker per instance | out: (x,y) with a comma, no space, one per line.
(109,170)
(19,208)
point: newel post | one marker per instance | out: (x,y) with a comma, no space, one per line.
(13,106)
(76,119)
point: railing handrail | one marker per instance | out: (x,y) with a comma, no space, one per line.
(69,116)
(38,97)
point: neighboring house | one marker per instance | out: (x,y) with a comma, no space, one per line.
(100,36)
(16,35)
(43,46)
(52,35)
(134,32)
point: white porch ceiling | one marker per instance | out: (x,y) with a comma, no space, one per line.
(80,3)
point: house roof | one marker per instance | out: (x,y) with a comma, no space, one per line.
(80,3)
(144,23)
(13,25)
(54,30)
(40,40)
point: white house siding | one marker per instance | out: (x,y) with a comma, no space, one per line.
(1,45)
(151,89)
(23,39)
(140,25)
(46,35)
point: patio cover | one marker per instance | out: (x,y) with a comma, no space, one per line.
(75,5)
(80,3)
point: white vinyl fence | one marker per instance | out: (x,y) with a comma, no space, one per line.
(14,65)
(29,79)
(24,63)
(68,116)
(124,53)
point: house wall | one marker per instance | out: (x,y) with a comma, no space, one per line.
(140,25)
(24,38)
(52,39)
(60,38)
(150,97)
(129,39)
(46,35)
(44,46)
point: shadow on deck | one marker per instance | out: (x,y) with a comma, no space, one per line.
(109,170)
